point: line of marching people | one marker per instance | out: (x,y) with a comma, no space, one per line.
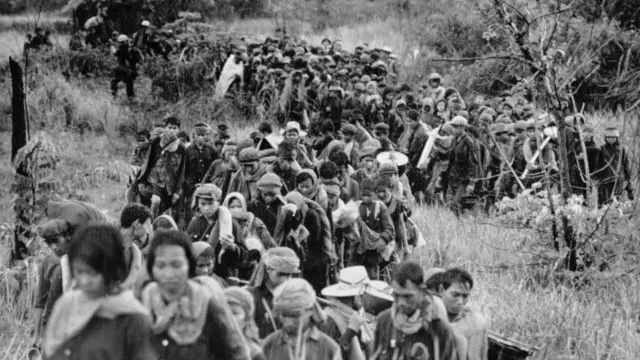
(139,288)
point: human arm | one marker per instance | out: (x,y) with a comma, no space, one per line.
(140,339)
(229,343)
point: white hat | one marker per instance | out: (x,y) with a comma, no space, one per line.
(253,243)
(293,125)
(354,281)
(122,38)
(146,23)
(386,49)
(393,157)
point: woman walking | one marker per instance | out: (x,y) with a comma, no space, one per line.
(98,320)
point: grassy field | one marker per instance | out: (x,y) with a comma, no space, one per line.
(597,321)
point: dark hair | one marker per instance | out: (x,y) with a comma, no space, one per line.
(208,253)
(327,126)
(450,277)
(144,132)
(286,146)
(328,170)
(171,238)
(133,212)
(303,176)
(340,158)
(265,127)
(172,120)
(409,271)
(100,245)
(183,134)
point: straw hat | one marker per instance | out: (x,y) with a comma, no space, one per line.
(394,157)
(354,281)
(293,125)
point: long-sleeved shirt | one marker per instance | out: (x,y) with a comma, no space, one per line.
(318,346)
(475,329)
(198,161)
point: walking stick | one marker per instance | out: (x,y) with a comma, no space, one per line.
(504,158)
(535,156)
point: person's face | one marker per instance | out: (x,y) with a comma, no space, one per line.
(434,83)
(357,93)
(292,321)
(200,139)
(235,206)
(141,231)
(503,137)
(400,109)
(58,245)
(520,134)
(277,278)
(384,194)
(519,108)
(455,297)
(88,280)
(611,140)
(230,155)
(332,200)
(457,129)
(441,106)
(284,164)
(208,207)
(367,197)
(172,128)
(380,134)
(171,270)
(306,187)
(368,163)
(269,196)
(238,313)
(250,168)
(204,266)
(409,298)
(531,133)
(588,137)
(292,135)
(507,110)
(479,99)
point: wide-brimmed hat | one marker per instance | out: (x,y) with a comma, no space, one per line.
(354,281)
(393,157)
(293,125)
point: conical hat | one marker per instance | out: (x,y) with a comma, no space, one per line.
(394,157)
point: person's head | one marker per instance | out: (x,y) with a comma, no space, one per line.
(172,124)
(285,156)
(367,190)
(235,203)
(409,290)
(341,159)
(588,133)
(230,151)
(333,190)
(294,304)
(56,233)
(531,129)
(270,186)
(143,136)
(434,80)
(367,158)
(171,263)
(249,160)
(163,223)
(454,287)
(240,302)
(328,170)
(348,133)
(507,109)
(441,105)
(200,133)
(157,131)
(384,186)
(207,198)
(205,257)
(277,265)
(265,128)
(135,223)
(458,124)
(306,183)
(611,135)
(97,260)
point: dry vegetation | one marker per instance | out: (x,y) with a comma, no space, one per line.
(597,320)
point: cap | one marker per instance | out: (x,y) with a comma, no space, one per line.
(248,155)
(349,129)
(122,38)
(499,128)
(53,228)
(146,23)
(208,191)
(459,121)
(269,181)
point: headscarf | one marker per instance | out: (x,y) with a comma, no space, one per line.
(235,196)
(281,259)
(243,298)
(296,295)
(318,194)
(73,311)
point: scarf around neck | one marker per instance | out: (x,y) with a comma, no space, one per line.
(410,325)
(183,319)
(74,310)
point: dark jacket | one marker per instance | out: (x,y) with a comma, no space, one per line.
(288,177)
(268,213)
(262,295)
(464,167)
(197,163)
(388,339)
(174,163)
(218,340)
(199,230)
(125,337)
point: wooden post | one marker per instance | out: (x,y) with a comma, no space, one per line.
(19,138)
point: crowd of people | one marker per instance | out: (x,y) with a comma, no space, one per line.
(296,244)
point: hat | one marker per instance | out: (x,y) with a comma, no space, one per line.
(354,281)
(242,297)
(503,119)
(230,145)
(381,127)
(282,259)
(332,187)
(520,125)
(386,49)
(435,76)
(208,191)
(365,79)
(146,23)
(388,168)
(392,157)
(201,129)
(53,228)
(359,86)
(294,125)
(484,117)
(499,128)
(367,151)
(530,125)
(349,129)
(248,155)
(459,121)
(295,295)
(413,115)
(223,127)
(269,181)
(611,131)
(122,38)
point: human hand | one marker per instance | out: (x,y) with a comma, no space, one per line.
(175,198)
(227,243)
(356,322)
(381,246)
